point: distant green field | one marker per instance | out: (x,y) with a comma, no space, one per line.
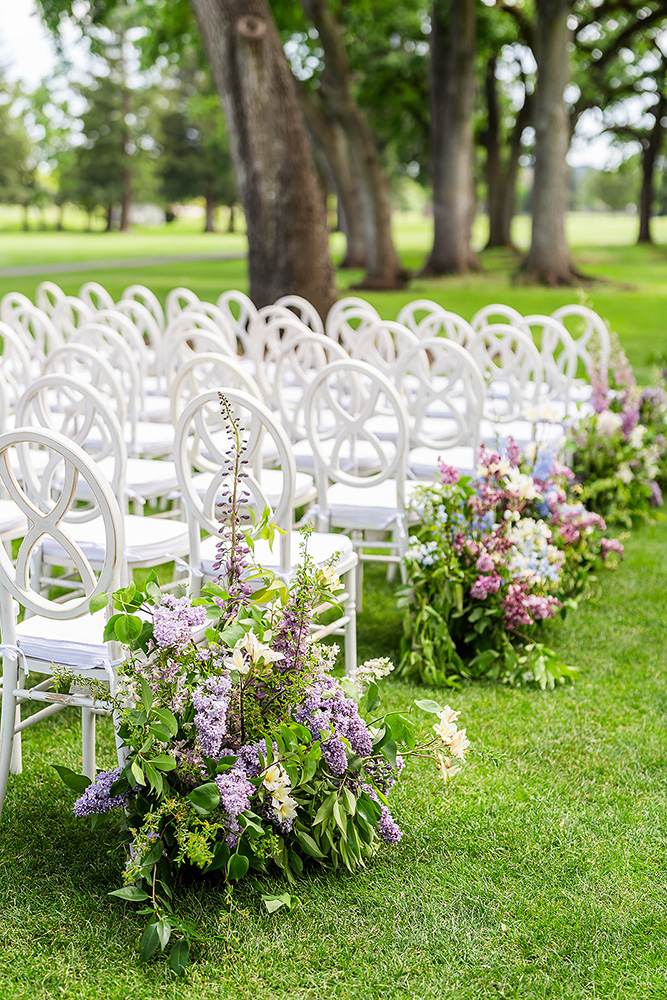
(629,287)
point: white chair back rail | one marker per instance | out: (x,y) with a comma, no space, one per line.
(348,318)
(37,329)
(15,360)
(95,296)
(145,297)
(589,332)
(441,323)
(70,314)
(268,340)
(300,358)
(47,297)
(512,369)
(207,370)
(416,312)
(177,301)
(240,311)
(559,355)
(303,310)
(88,365)
(382,344)
(496,313)
(445,393)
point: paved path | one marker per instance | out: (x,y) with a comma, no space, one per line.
(72,266)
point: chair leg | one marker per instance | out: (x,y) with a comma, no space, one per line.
(350,581)
(88,742)
(8,722)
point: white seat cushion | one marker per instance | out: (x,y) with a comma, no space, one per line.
(321,546)
(272,484)
(75,642)
(12,522)
(372,508)
(366,458)
(147,540)
(423,462)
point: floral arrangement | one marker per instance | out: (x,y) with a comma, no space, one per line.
(619,452)
(491,558)
(243,752)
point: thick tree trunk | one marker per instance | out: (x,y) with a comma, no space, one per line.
(231,227)
(383,267)
(548,260)
(330,141)
(288,249)
(453,49)
(109,225)
(650,150)
(209,225)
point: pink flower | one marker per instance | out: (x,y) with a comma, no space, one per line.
(448,474)
(608,545)
(485,585)
(485,563)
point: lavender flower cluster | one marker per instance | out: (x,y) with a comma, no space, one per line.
(97,798)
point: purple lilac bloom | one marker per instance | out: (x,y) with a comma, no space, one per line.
(211,701)
(485,563)
(235,790)
(387,827)
(449,476)
(608,545)
(326,708)
(656,494)
(333,751)
(513,452)
(249,755)
(382,774)
(173,619)
(97,797)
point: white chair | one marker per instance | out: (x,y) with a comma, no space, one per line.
(203,435)
(38,332)
(15,362)
(240,312)
(148,329)
(591,338)
(188,343)
(304,310)
(56,632)
(348,318)
(360,502)
(441,323)
(67,406)
(145,297)
(268,340)
(95,296)
(559,358)
(178,300)
(70,314)
(47,297)
(416,312)
(496,313)
(444,391)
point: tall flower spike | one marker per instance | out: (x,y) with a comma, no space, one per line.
(232,550)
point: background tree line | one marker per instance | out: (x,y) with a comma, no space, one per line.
(351,97)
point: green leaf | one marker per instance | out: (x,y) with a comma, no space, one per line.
(179,956)
(325,810)
(309,845)
(150,942)
(110,629)
(230,635)
(427,705)
(163,932)
(273,903)
(163,762)
(98,602)
(138,773)
(153,591)
(237,867)
(167,718)
(372,697)
(205,798)
(220,858)
(152,856)
(128,628)
(77,782)
(132,893)
(146,695)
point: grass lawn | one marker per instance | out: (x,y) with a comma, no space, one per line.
(539,873)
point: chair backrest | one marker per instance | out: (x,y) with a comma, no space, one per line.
(589,332)
(96,296)
(147,298)
(221,323)
(125,326)
(441,323)
(47,297)
(496,313)
(118,353)
(445,393)
(340,406)
(240,312)
(46,512)
(299,359)
(38,330)
(9,303)
(89,365)
(268,340)
(414,313)
(207,370)
(203,436)
(512,370)
(558,352)
(15,360)
(70,314)
(382,344)
(147,328)
(188,344)
(303,310)
(80,413)
(348,318)
(177,301)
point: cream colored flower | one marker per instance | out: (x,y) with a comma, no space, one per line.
(275,778)
(446,767)
(287,808)
(445,730)
(521,485)
(237,661)
(625,473)
(608,423)
(459,744)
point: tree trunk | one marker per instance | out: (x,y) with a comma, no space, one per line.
(126,198)
(330,141)
(383,267)
(453,49)
(109,225)
(548,260)
(650,150)
(231,228)
(209,226)
(288,249)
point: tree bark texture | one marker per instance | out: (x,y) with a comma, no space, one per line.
(650,150)
(209,224)
(126,199)
(501,171)
(288,248)
(548,260)
(383,267)
(453,50)
(331,148)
